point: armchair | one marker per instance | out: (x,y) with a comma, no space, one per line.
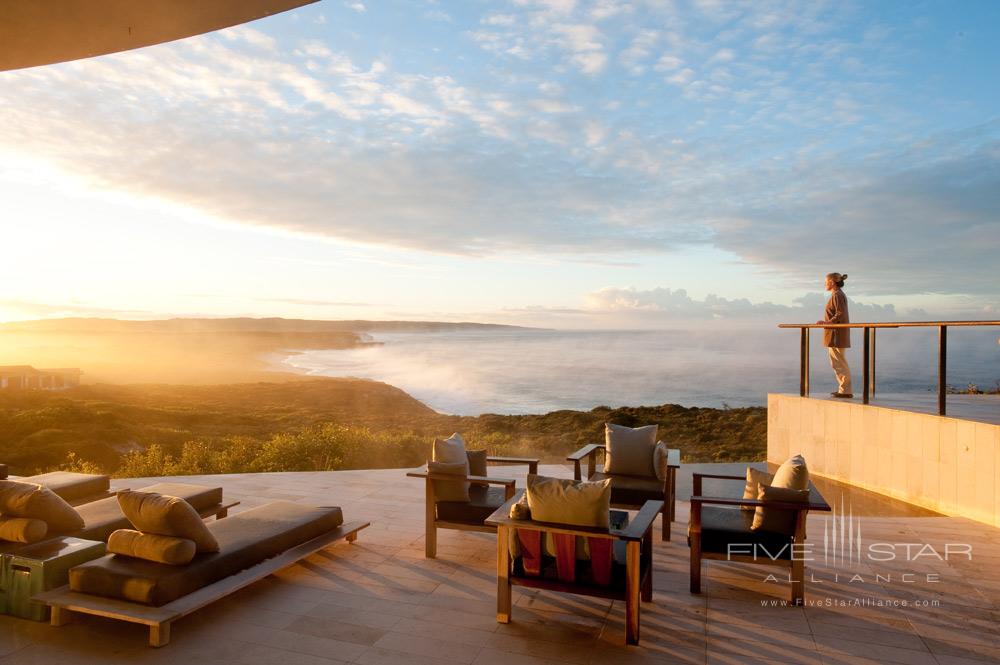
(719,530)
(621,565)
(634,491)
(486,494)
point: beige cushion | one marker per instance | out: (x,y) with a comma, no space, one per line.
(152,547)
(477,462)
(777,520)
(451,449)
(755,479)
(22,529)
(792,474)
(447,490)
(572,502)
(166,516)
(40,503)
(630,450)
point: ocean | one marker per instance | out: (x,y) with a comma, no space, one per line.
(521,371)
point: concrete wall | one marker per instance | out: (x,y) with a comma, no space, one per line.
(945,464)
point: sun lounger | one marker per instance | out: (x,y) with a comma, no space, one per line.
(74,488)
(252,545)
(103,517)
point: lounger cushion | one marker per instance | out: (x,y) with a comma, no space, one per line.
(72,486)
(33,501)
(722,526)
(22,529)
(629,450)
(450,490)
(755,480)
(150,512)
(152,547)
(632,490)
(483,501)
(105,516)
(245,539)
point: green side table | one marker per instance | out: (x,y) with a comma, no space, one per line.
(41,567)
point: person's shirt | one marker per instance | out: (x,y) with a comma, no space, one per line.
(836,312)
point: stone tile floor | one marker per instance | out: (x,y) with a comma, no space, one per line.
(379,601)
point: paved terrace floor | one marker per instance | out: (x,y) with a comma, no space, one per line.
(379,601)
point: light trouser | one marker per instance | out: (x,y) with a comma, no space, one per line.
(838,361)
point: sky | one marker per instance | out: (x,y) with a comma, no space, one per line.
(565,163)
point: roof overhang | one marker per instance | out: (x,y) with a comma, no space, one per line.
(42,32)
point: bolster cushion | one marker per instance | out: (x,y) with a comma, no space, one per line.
(22,529)
(152,547)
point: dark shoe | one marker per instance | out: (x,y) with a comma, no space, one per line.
(843,395)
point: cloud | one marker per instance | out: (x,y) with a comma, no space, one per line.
(677,305)
(356,6)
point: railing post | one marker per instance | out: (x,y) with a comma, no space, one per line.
(942,368)
(802,362)
(872,371)
(866,372)
(807,362)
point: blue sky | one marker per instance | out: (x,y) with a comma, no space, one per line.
(555,162)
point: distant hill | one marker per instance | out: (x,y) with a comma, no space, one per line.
(189,351)
(313,425)
(233,325)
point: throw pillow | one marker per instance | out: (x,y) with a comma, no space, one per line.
(22,529)
(629,450)
(477,462)
(40,503)
(450,490)
(661,460)
(572,502)
(152,547)
(755,479)
(792,474)
(777,520)
(166,516)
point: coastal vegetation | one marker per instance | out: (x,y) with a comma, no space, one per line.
(314,425)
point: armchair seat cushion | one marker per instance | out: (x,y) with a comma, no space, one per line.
(483,501)
(722,526)
(632,490)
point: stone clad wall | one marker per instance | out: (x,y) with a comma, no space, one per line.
(945,464)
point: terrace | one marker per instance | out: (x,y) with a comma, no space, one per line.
(380,601)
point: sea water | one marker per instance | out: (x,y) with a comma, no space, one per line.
(519,371)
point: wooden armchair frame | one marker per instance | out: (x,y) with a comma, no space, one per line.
(669,511)
(431,521)
(795,563)
(638,539)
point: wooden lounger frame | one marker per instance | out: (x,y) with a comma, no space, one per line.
(64,602)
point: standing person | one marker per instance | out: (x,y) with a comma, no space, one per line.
(838,339)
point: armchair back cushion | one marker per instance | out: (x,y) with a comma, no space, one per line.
(629,450)
(450,490)
(792,474)
(451,451)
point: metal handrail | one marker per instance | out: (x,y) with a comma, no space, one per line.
(868,387)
